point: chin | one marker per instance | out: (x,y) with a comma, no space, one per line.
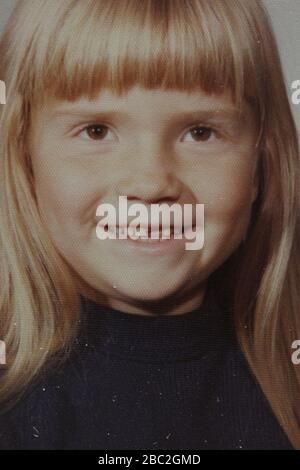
(145,292)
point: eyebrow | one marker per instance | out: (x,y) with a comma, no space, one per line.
(212,113)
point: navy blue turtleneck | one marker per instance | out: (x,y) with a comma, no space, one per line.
(147,382)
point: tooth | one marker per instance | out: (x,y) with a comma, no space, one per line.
(154,234)
(132,233)
(123,233)
(167,232)
(144,233)
(112,230)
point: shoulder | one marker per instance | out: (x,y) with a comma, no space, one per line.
(251,411)
(44,414)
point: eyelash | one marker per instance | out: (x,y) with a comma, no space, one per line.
(190,129)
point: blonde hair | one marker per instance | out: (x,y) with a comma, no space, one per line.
(74,48)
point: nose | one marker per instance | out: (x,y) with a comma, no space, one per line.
(152,178)
(150,187)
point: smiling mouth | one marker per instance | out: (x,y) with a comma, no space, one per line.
(144,234)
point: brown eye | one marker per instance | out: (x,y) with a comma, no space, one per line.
(96,131)
(201,134)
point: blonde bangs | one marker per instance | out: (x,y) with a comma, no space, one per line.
(78,48)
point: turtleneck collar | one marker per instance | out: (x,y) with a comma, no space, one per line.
(156,338)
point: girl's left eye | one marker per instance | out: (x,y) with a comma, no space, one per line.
(94,132)
(201,133)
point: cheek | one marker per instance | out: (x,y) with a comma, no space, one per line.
(226,191)
(66,197)
(229,197)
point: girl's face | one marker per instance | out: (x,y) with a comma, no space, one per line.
(153,146)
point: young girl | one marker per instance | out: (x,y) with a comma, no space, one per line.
(121,344)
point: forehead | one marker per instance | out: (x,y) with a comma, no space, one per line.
(139,100)
(137,93)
